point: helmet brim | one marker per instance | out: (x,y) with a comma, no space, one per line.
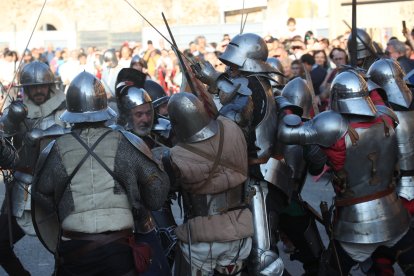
(90,116)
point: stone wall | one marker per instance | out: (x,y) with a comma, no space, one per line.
(111,15)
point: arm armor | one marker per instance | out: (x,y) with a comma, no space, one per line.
(315,157)
(8,155)
(218,81)
(324,129)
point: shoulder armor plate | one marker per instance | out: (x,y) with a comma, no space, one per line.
(43,156)
(138,143)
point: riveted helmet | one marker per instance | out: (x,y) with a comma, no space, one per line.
(109,56)
(298,93)
(365,48)
(248,52)
(36,73)
(189,119)
(350,95)
(388,74)
(86,101)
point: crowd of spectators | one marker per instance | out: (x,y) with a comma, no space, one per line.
(297,52)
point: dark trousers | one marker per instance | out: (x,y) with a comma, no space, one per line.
(113,259)
(8,260)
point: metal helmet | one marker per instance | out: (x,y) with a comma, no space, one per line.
(86,101)
(129,77)
(350,95)
(249,52)
(365,47)
(275,63)
(388,74)
(157,93)
(110,56)
(132,96)
(298,93)
(35,73)
(189,119)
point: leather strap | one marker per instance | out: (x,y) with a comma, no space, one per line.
(209,156)
(356,200)
(353,135)
(258,161)
(134,210)
(216,159)
(69,179)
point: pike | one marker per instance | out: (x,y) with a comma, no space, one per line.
(196,87)
(354,36)
(212,110)
(163,36)
(21,60)
(180,58)
(310,85)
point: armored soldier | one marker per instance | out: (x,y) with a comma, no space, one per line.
(93,187)
(366,52)
(388,74)
(296,221)
(42,105)
(247,98)
(360,142)
(209,167)
(136,107)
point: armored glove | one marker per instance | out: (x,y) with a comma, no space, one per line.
(206,73)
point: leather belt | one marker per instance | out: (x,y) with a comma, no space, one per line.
(356,200)
(255,161)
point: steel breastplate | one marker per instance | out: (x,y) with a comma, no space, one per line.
(369,165)
(370,162)
(405,139)
(214,204)
(374,221)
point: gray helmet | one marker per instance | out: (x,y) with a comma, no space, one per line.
(189,118)
(110,56)
(35,73)
(86,101)
(156,92)
(298,93)
(365,48)
(388,74)
(350,95)
(249,52)
(275,63)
